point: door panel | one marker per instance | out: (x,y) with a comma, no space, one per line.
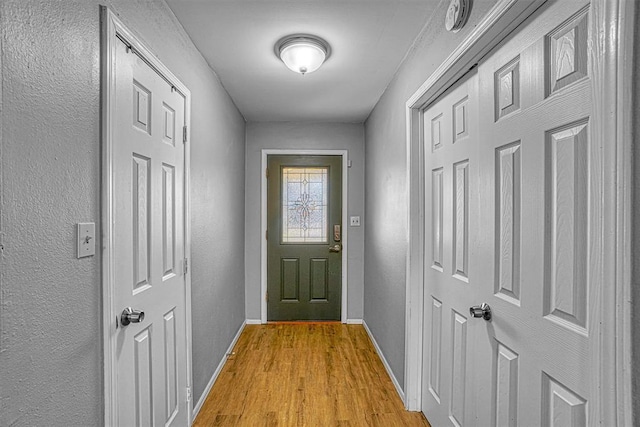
(537,216)
(149,245)
(450,341)
(533,181)
(508,213)
(304,206)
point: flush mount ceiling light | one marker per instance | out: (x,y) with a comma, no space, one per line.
(302,53)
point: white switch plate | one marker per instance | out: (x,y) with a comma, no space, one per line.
(354,221)
(86,239)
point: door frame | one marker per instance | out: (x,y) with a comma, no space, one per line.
(614,20)
(263,221)
(114,32)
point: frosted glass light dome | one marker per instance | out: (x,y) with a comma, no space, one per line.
(302,53)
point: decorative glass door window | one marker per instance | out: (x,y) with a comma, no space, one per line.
(304,204)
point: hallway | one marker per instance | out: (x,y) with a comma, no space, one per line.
(304,374)
(516,199)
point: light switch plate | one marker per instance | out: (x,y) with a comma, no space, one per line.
(86,239)
(354,221)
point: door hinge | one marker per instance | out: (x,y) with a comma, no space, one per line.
(188,394)
(184,134)
(266,173)
(266,235)
(266,296)
(186,266)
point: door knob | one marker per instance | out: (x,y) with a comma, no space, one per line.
(335,248)
(129,315)
(483,310)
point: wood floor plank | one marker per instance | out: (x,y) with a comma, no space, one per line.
(305,374)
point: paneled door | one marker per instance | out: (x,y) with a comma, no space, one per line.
(304,237)
(148,200)
(452,201)
(533,232)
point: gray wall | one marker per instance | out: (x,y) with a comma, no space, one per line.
(635,243)
(51,303)
(386,185)
(342,136)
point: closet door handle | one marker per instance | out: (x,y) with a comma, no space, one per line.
(129,315)
(483,310)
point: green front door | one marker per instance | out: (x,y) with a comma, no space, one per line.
(304,235)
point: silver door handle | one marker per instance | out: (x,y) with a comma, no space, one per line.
(129,315)
(483,310)
(335,248)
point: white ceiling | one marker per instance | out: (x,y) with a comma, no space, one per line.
(368,38)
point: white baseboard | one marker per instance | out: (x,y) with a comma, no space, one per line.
(385,363)
(354,321)
(253,322)
(214,377)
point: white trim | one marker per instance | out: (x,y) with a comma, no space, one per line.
(387,367)
(216,373)
(263,221)
(108,94)
(414,294)
(614,115)
(253,322)
(187,248)
(354,321)
(499,21)
(112,28)
(627,14)
(615,24)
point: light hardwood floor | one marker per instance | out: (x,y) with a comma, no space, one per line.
(305,374)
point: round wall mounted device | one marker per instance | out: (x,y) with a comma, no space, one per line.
(457,15)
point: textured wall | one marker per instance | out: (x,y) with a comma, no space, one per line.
(386,188)
(51,349)
(336,136)
(51,306)
(635,250)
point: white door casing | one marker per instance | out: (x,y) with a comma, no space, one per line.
(145,235)
(547,181)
